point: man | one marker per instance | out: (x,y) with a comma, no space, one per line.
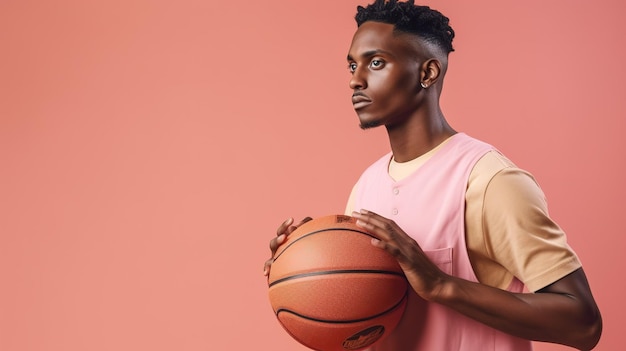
(469,229)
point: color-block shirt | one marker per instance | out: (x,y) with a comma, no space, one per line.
(506,223)
(509,232)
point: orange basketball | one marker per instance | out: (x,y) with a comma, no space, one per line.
(332,290)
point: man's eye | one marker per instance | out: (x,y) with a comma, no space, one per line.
(352,67)
(377,63)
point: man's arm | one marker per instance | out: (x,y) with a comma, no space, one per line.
(563,312)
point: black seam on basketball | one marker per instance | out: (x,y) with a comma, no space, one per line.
(338,271)
(281,310)
(320,231)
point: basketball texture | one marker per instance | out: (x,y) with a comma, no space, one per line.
(332,290)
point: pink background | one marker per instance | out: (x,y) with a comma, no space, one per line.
(149,149)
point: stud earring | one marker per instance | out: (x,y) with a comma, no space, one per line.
(423,85)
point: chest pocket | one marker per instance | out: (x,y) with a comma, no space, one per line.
(442,258)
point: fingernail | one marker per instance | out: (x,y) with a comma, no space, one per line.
(280,238)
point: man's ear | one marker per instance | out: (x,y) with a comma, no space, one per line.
(430,72)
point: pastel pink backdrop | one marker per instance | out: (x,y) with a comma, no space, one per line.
(149,149)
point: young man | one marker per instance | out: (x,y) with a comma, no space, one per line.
(469,229)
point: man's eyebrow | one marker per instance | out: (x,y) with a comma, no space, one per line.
(370,53)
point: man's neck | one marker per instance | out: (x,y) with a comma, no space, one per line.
(418,136)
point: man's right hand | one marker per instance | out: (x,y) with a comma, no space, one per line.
(286,228)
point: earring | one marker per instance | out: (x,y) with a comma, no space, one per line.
(424,85)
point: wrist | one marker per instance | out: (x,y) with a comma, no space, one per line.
(444,291)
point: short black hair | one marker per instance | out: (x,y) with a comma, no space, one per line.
(431,25)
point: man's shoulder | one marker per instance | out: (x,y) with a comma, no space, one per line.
(490,164)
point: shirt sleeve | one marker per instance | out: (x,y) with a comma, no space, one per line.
(519,233)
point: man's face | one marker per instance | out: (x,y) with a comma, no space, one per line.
(385,68)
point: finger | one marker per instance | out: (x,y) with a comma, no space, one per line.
(304,220)
(267,266)
(377,225)
(378,243)
(391,248)
(282,229)
(371,214)
(365,214)
(294,227)
(275,243)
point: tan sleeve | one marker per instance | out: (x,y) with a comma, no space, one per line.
(519,234)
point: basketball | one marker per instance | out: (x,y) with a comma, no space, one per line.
(331,290)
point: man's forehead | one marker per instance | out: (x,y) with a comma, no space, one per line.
(381,36)
(373,32)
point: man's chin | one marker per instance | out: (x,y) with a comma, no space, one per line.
(369,124)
